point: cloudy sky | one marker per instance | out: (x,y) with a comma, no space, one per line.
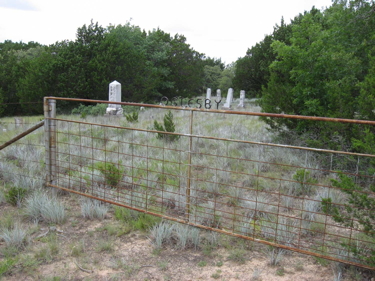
(217,28)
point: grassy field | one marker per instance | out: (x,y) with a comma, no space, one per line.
(238,185)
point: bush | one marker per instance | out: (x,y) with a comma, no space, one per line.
(304,182)
(361,209)
(14,195)
(111,173)
(169,126)
(137,220)
(6,265)
(94,110)
(132,117)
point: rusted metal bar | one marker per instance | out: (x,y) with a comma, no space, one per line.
(187,212)
(50,138)
(274,115)
(226,139)
(222,231)
(20,136)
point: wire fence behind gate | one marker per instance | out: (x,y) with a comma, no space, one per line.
(218,175)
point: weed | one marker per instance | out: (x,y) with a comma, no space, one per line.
(256,275)
(216,275)
(93,209)
(137,220)
(186,236)
(78,249)
(6,265)
(299,266)
(132,117)
(105,246)
(14,237)
(40,206)
(274,254)
(14,195)
(202,263)
(111,173)
(280,271)
(94,110)
(2,197)
(237,255)
(304,182)
(7,221)
(161,234)
(163,265)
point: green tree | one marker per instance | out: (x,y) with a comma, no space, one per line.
(212,75)
(317,75)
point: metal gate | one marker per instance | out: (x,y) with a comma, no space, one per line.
(217,173)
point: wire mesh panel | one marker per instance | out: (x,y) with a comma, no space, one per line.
(216,173)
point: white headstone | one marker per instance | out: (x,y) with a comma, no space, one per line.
(208,94)
(114,95)
(218,94)
(229,99)
(242,99)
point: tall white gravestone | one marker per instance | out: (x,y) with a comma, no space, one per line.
(208,94)
(242,99)
(114,95)
(229,99)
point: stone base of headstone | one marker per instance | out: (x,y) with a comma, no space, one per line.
(110,111)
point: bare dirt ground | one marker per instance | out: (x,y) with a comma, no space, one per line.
(81,249)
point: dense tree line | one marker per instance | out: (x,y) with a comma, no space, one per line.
(149,65)
(320,64)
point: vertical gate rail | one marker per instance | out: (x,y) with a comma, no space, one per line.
(264,192)
(50,139)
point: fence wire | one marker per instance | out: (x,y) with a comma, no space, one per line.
(217,175)
(22,163)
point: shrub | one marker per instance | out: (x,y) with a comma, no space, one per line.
(132,117)
(14,195)
(169,126)
(94,110)
(360,208)
(137,220)
(304,182)
(6,265)
(111,173)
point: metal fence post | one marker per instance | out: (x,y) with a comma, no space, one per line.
(50,139)
(187,211)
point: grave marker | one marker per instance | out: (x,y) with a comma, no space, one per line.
(242,99)
(114,95)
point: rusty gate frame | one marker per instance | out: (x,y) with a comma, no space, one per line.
(51,158)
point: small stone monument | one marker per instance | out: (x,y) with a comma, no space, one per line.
(114,95)
(208,94)
(229,99)
(218,95)
(18,121)
(242,99)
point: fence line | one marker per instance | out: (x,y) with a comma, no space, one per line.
(257,190)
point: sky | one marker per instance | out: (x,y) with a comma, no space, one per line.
(217,28)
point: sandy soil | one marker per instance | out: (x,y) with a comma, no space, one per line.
(83,249)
